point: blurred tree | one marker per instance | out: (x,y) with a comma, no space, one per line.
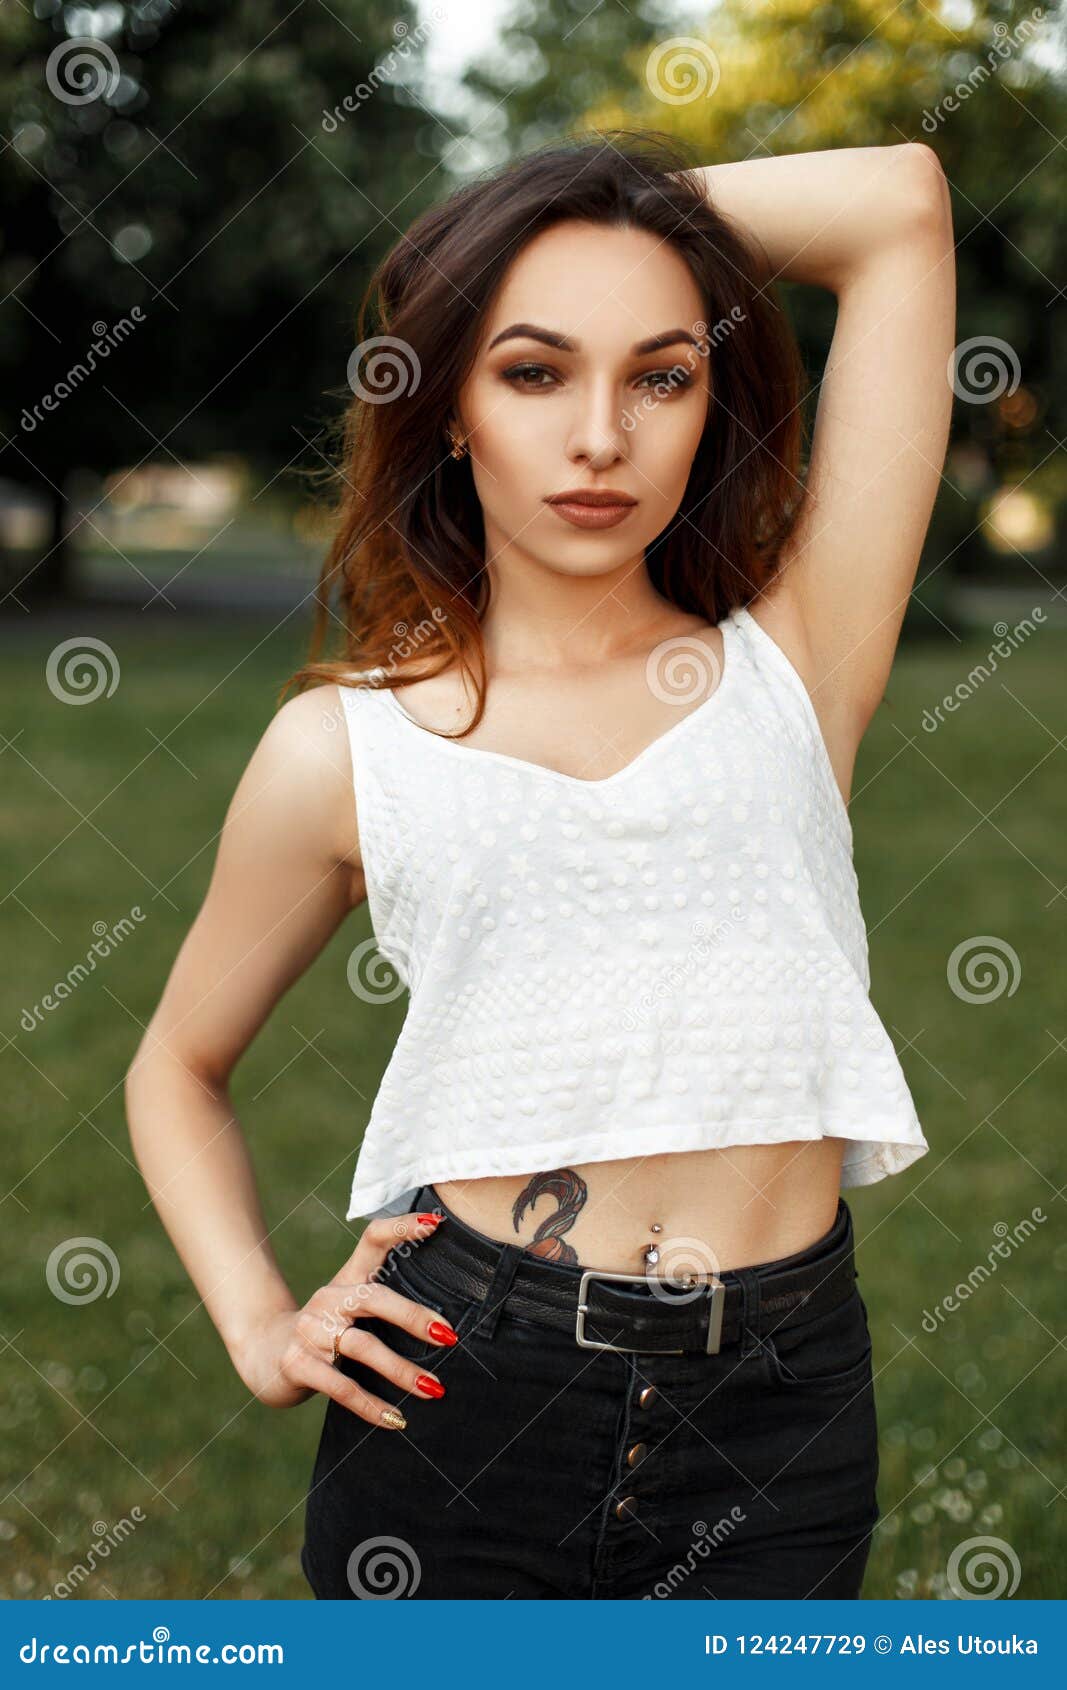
(188,191)
(980,81)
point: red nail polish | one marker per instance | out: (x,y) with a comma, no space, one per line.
(429,1220)
(432,1387)
(442,1334)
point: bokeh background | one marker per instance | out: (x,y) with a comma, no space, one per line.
(195,196)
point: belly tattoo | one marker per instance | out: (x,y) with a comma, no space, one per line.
(570,1192)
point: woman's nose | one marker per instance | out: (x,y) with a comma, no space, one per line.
(597,434)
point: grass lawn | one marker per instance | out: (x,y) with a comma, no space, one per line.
(125,1407)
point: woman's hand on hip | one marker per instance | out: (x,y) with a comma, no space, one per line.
(292,1354)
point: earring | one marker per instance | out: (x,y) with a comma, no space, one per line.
(459,448)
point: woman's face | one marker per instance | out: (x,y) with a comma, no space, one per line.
(566,396)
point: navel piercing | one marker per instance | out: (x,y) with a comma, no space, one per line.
(651,1253)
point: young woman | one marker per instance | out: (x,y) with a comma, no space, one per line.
(606,662)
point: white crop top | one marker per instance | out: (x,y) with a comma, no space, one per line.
(671,958)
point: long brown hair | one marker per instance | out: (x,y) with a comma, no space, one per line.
(407,556)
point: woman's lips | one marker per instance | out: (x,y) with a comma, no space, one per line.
(590,516)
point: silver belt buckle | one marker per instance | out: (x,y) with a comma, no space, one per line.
(715,1314)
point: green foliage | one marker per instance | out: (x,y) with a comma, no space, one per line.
(207,189)
(780,76)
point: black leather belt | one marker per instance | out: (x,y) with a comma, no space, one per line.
(638,1311)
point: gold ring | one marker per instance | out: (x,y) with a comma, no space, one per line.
(338,1335)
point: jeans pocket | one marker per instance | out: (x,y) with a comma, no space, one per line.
(831,1352)
(456,1307)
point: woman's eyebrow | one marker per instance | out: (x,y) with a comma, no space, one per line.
(530,331)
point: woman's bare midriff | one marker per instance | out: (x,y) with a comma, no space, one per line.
(714,1209)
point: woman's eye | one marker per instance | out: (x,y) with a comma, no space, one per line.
(671,380)
(534,378)
(528,376)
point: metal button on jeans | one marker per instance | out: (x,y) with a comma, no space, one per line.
(626,1509)
(636,1454)
(647,1396)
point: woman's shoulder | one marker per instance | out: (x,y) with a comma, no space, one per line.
(304,756)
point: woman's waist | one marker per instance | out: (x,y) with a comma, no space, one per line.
(678,1212)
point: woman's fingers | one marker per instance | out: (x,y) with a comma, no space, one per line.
(333,1383)
(335,1307)
(382,1235)
(363,1346)
(330,1323)
(326,1312)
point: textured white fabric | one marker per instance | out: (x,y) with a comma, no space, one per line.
(671,958)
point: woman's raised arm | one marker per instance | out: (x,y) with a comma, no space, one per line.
(873,225)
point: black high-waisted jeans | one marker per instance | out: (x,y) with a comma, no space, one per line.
(749,1473)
